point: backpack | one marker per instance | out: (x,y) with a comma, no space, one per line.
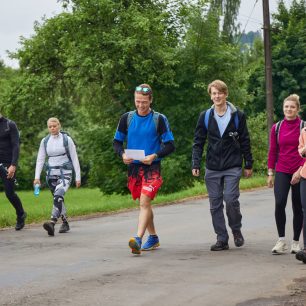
(131,115)
(65,143)
(278,126)
(206,119)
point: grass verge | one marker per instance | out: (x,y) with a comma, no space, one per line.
(85,201)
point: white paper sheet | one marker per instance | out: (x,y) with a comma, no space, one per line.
(135,154)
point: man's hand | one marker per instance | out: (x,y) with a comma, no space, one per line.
(248,173)
(195,172)
(126,160)
(11,171)
(78,184)
(148,160)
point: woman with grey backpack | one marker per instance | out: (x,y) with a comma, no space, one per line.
(62,159)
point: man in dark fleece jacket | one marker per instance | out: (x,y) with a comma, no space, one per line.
(225,129)
(9,153)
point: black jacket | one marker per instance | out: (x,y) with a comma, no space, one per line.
(9,142)
(223,152)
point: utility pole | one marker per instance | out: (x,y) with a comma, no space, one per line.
(268,63)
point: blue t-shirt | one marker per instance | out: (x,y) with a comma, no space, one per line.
(142,133)
(223,120)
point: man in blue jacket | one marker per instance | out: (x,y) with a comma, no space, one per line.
(224,127)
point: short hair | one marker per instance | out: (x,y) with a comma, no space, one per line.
(220,85)
(149,93)
(54,119)
(295,98)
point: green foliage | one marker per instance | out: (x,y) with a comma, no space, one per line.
(82,66)
(289,53)
(288,60)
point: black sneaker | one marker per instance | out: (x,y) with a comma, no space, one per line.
(238,239)
(49,227)
(64,228)
(219,246)
(301,256)
(20,222)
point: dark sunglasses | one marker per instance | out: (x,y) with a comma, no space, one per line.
(145,90)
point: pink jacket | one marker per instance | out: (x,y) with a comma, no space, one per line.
(284,156)
(302,147)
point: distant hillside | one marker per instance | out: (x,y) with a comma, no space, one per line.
(248,38)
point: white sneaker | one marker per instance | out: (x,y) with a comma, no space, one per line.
(280,247)
(295,247)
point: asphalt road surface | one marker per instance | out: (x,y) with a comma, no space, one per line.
(92,264)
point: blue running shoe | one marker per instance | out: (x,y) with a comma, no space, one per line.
(135,245)
(151,244)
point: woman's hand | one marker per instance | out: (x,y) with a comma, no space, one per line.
(296,177)
(36,182)
(78,184)
(270,181)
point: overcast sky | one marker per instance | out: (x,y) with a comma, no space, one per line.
(17,18)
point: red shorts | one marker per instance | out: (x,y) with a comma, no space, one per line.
(147,184)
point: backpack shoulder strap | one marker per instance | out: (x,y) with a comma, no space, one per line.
(46,139)
(206,118)
(236,119)
(277,128)
(130,117)
(65,143)
(156,119)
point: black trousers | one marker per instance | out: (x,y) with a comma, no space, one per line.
(9,188)
(281,190)
(303,199)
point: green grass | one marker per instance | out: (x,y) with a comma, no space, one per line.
(85,201)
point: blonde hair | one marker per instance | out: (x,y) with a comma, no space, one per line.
(220,85)
(295,98)
(53,119)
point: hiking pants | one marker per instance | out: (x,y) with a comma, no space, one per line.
(224,186)
(281,190)
(9,188)
(303,200)
(59,186)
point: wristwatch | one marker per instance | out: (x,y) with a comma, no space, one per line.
(270,173)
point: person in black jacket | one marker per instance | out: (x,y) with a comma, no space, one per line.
(224,127)
(9,153)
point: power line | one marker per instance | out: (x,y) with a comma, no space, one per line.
(256,1)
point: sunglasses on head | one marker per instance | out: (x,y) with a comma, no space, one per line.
(145,90)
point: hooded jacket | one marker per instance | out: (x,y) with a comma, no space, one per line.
(224,152)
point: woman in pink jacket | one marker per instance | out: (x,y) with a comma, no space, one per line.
(301,255)
(285,162)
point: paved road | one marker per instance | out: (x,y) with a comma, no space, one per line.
(92,264)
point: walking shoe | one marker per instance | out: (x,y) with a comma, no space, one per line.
(64,227)
(301,256)
(49,227)
(135,245)
(151,244)
(219,246)
(20,222)
(280,247)
(238,239)
(295,247)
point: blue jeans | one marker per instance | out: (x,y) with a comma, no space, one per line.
(224,186)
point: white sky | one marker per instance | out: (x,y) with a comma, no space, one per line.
(17,18)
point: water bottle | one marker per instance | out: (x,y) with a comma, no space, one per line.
(36,190)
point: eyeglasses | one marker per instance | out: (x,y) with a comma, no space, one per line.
(145,90)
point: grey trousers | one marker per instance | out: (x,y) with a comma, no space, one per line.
(224,186)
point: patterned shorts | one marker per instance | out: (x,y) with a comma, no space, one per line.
(144,180)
